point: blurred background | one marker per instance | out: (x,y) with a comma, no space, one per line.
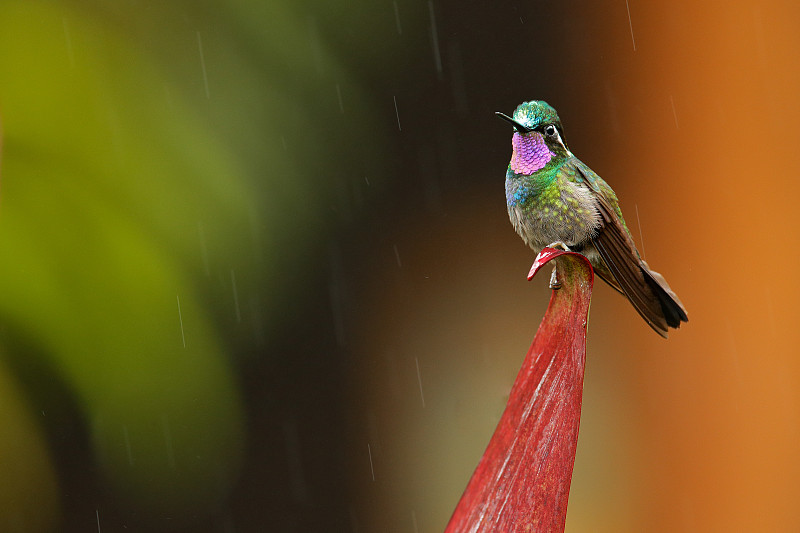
(256,272)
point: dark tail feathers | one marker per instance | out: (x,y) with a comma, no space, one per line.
(673,309)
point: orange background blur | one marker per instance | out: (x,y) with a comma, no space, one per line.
(696,129)
(257,272)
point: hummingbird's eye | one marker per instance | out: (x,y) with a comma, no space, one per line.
(550,130)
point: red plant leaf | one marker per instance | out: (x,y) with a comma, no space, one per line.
(522,481)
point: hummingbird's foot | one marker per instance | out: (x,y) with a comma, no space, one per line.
(555,284)
(559,244)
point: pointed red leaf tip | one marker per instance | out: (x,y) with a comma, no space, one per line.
(522,481)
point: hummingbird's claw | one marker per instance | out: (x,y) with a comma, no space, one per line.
(555,284)
(559,244)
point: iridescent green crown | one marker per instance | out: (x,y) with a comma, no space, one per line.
(535,113)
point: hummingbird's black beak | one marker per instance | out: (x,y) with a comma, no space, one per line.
(520,128)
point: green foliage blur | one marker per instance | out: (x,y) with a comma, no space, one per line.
(164,167)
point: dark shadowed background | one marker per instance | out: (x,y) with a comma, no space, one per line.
(256,272)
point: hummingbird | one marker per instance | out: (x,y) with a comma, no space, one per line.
(554,200)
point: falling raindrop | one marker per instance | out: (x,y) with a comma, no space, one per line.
(371,467)
(180,318)
(630,24)
(127,444)
(641,236)
(674,113)
(437,57)
(372,427)
(396,112)
(339,94)
(397,18)
(235,296)
(397,256)
(419,379)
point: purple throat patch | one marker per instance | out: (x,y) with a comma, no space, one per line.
(530,153)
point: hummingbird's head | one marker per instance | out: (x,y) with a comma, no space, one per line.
(538,137)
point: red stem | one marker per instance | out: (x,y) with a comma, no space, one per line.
(522,481)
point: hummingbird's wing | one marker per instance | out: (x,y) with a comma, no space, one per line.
(647,290)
